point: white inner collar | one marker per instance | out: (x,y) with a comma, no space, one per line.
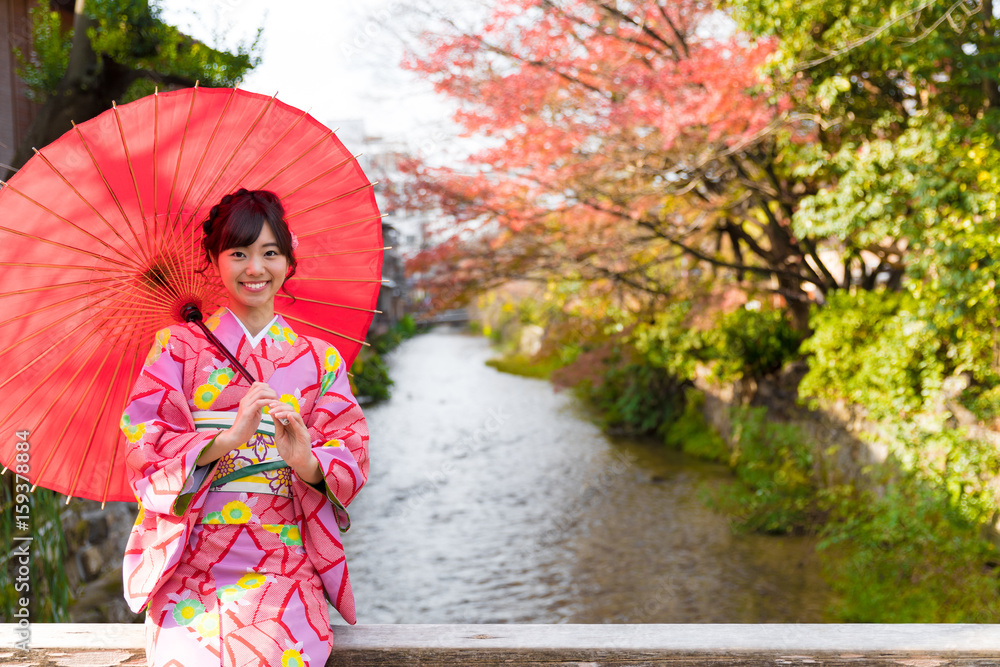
(254,340)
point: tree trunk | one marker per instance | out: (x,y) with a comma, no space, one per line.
(798,307)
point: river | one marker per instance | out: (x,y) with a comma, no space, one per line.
(494,499)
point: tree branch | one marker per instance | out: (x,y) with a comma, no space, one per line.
(646,30)
(673,26)
(811,247)
(622,38)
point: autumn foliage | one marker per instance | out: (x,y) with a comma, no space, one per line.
(629,142)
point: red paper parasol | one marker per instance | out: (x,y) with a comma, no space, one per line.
(100,247)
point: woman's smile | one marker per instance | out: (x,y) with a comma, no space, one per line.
(253,275)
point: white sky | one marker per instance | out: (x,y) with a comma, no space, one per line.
(336,58)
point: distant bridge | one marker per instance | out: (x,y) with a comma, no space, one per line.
(454,316)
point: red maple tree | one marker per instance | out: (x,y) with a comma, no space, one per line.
(628,141)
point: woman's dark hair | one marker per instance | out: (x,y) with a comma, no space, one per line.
(238,219)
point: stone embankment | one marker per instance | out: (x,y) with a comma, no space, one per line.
(96,540)
(845,443)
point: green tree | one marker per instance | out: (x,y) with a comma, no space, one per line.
(117,50)
(906,100)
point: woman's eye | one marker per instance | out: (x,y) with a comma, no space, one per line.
(237,254)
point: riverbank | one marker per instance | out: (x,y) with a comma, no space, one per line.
(370,379)
(901,537)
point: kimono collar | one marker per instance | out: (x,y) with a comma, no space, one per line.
(231,331)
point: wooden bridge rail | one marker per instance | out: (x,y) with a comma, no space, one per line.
(107,645)
(455,316)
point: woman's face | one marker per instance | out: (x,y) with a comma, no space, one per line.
(253,274)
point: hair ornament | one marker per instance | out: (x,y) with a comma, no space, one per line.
(295,239)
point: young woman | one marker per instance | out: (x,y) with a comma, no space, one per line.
(242,487)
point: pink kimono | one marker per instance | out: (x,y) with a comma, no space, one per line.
(234,561)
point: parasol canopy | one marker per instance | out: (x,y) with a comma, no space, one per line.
(100,247)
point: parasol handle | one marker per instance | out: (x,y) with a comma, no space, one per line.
(191,313)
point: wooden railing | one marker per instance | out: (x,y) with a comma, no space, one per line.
(455,316)
(550,645)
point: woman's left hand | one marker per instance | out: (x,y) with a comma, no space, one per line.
(293,443)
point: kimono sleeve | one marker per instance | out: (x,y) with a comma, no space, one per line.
(339,434)
(163,445)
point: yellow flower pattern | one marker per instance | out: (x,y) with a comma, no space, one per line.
(186,611)
(132,433)
(221,377)
(207,625)
(230,593)
(282,334)
(236,512)
(205,395)
(332,361)
(292,658)
(292,401)
(213,322)
(291,536)
(283,477)
(251,580)
(159,345)
(191,612)
(288,534)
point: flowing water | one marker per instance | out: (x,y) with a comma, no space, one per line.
(494,499)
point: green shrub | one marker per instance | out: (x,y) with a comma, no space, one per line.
(668,341)
(879,350)
(525,366)
(405,328)
(908,557)
(776,491)
(754,342)
(945,458)
(49,594)
(370,379)
(984,403)
(692,435)
(635,397)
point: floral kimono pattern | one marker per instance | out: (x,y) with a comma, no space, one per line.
(234,562)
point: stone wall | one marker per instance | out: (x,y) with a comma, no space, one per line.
(846,444)
(96,542)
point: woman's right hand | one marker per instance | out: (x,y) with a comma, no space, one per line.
(247,420)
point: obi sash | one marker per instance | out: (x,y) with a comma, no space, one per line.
(253,467)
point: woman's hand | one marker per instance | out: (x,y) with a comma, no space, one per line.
(244,426)
(293,442)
